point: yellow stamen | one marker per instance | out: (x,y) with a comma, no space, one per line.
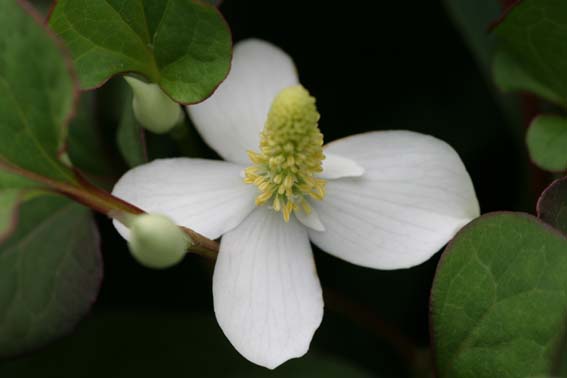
(291,154)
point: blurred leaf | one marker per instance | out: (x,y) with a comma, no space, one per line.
(36,101)
(13,181)
(510,76)
(561,371)
(85,145)
(182,45)
(552,205)
(36,96)
(499,298)
(473,18)
(145,344)
(534,33)
(51,270)
(547,142)
(130,137)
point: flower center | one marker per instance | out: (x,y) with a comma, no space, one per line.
(291,153)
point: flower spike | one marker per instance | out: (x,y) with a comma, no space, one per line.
(291,154)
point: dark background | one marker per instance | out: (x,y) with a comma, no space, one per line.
(371,66)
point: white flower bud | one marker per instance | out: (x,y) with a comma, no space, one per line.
(156,241)
(152,107)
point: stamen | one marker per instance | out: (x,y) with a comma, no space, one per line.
(291,154)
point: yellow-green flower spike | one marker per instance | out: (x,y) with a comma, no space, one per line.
(291,153)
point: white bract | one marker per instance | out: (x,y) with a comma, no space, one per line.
(384,199)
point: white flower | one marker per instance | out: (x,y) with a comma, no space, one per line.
(388,200)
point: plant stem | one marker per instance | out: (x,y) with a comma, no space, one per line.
(84,192)
(115,207)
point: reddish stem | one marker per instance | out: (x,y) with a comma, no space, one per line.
(97,199)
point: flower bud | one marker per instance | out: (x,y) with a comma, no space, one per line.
(152,107)
(156,241)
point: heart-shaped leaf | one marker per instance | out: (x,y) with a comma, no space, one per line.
(547,142)
(36,96)
(499,299)
(534,32)
(182,45)
(51,270)
(37,99)
(49,260)
(510,76)
(552,205)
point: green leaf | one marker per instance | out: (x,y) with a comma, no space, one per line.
(552,205)
(511,77)
(36,96)
(547,142)
(130,136)
(51,270)
(13,181)
(182,45)
(160,344)
(499,299)
(534,33)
